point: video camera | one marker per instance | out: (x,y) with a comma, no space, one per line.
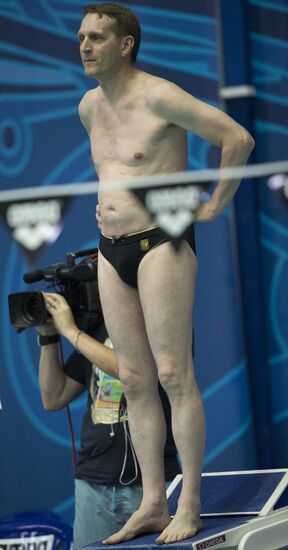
(77,282)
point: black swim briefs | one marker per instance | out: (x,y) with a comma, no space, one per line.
(126,252)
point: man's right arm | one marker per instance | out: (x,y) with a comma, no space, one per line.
(85,109)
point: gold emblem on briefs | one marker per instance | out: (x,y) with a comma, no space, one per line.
(144,245)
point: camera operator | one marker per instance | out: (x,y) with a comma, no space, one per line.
(107,478)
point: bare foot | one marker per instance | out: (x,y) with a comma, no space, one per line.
(142,521)
(183,526)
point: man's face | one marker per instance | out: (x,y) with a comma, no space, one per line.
(100,46)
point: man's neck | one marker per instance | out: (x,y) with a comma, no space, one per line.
(119,84)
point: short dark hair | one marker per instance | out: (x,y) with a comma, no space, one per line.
(127,22)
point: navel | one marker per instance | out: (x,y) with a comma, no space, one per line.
(138,155)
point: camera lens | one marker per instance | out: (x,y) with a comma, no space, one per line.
(32,308)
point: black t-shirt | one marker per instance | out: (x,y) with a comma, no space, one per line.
(106,454)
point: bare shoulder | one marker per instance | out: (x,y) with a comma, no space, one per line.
(88,106)
(88,99)
(162,94)
(180,108)
(156,87)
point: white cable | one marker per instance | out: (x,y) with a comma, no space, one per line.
(189,176)
(128,438)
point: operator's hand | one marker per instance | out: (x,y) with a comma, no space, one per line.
(48,329)
(60,312)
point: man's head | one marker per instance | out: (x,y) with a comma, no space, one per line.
(123,23)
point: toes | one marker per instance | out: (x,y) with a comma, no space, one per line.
(161,539)
(171,538)
(182,537)
(167,538)
(114,539)
(107,541)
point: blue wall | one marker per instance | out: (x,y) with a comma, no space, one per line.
(42,142)
(268,31)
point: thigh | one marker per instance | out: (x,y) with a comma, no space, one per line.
(123,317)
(166,280)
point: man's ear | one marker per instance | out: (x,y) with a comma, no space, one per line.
(127,44)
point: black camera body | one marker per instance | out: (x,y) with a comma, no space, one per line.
(77,282)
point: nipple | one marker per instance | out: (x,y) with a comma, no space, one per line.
(138,155)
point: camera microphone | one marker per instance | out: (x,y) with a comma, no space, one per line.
(79,272)
(33,276)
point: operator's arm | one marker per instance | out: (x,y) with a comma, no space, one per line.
(57,389)
(180,108)
(99,354)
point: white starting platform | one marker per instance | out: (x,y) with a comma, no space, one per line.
(246,509)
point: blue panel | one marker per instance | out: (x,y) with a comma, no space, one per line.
(212,526)
(233,494)
(283,500)
(233,21)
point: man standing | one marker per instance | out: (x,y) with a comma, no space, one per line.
(107,478)
(137,124)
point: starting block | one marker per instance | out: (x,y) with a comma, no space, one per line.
(245,509)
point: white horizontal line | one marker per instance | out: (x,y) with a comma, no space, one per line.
(193,176)
(232,92)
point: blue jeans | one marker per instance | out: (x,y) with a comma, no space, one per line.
(101,510)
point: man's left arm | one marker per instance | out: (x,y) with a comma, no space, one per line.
(180,108)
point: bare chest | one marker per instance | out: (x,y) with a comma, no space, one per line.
(129,138)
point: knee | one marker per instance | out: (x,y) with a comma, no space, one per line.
(134,381)
(175,378)
(130,380)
